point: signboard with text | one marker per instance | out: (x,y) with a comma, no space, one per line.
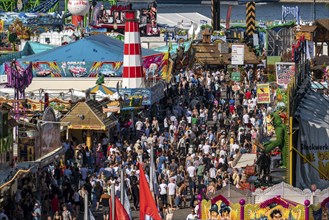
(237,54)
(284,73)
(263,93)
(235,76)
(313,143)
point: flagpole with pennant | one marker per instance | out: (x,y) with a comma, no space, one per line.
(147,204)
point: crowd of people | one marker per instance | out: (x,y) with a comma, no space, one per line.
(204,129)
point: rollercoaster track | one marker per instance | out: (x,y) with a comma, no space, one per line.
(51,4)
(45,6)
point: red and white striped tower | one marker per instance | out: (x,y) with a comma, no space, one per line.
(132,76)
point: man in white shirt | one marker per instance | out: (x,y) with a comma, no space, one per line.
(253,121)
(245,118)
(206,148)
(192,216)
(139,125)
(172,192)
(191,171)
(163,188)
(234,147)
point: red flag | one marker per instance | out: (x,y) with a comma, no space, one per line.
(228,16)
(147,204)
(120,212)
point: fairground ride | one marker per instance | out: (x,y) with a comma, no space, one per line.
(33,6)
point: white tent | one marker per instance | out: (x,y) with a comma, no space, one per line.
(182,20)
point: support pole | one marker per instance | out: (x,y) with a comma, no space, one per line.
(89,139)
(113,201)
(242,202)
(314,10)
(86,214)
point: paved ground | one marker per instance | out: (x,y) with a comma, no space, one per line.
(179,214)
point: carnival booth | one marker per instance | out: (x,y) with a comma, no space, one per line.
(86,120)
(219,207)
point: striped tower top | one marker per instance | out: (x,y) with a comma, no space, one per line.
(132,62)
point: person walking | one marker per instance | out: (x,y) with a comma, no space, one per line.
(105,202)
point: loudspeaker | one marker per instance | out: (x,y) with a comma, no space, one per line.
(3,124)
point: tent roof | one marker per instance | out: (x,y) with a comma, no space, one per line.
(103,89)
(91,49)
(35,47)
(317,116)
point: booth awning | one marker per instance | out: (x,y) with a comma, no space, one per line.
(50,157)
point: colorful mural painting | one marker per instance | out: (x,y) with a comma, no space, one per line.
(219,208)
(94,69)
(275,208)
(320,211)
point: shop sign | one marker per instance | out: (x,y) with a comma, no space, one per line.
(236,76)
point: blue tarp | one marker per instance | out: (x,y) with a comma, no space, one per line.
(39,48)
(91,49)
(30,48)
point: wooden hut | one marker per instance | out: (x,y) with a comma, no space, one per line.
(210,54)
(88,116)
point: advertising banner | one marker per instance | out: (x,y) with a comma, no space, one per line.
(284,73)
(137,97)
(313,143)
(94,69)
(263,93)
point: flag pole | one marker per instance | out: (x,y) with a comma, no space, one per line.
(122,195)
(151,170)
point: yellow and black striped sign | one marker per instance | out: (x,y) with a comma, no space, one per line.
(250,18)
(215,15)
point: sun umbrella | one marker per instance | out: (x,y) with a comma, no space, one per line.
(101,88)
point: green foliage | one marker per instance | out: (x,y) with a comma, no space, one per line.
(284,96)
(205,26)
(12,37)
(271,78)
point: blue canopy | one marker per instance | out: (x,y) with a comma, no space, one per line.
(96,48)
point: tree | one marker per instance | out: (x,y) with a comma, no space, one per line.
(12,39)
